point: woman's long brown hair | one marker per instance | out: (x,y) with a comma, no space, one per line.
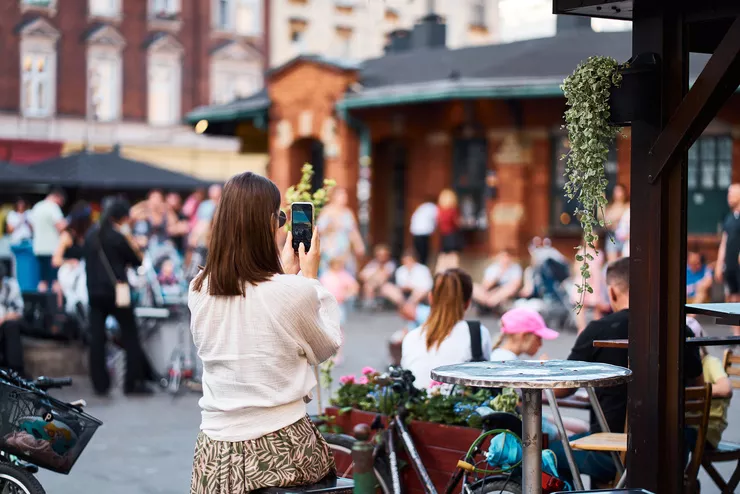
(242,247)
(451,295)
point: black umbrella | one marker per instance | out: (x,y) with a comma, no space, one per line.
(102,171)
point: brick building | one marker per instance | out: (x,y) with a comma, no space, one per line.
(397,129)
(101,73)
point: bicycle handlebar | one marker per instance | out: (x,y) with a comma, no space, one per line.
(45,383)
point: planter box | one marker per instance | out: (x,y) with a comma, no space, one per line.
(638,97)
(439,446)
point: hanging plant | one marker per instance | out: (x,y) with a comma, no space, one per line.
(587,92)
(302,192)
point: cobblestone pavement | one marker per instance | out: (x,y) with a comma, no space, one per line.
(145,445)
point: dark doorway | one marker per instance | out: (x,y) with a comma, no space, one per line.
(388,211)
(309,151)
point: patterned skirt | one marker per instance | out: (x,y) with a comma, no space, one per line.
(294,455)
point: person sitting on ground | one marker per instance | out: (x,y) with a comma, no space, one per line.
(699,278)
(501,282)
(714,374)
(413,281)
(11,322)
(446,338)
(375,274)
(613,400)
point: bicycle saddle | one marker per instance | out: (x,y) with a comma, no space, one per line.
(331,484)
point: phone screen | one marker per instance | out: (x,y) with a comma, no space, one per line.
(301,224)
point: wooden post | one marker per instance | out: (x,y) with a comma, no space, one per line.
(657,268)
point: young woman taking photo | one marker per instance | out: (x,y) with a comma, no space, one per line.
(259,326)
(445,338)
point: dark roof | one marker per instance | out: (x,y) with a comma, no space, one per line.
(534,67)
(99,171)
(241,108)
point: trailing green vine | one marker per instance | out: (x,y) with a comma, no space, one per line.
(590,134)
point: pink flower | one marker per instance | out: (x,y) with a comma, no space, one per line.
(348,379)
(368,370)
(363,380)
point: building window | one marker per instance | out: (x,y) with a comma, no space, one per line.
(469,167)
(344,42)
(563,210)
(105,87)
(164,9)
(709,176)
(391,16)
(229,85)
(298,28)
(37,5)
(478,13)
(164,92)
(38,75)
(239,16)
(105,8)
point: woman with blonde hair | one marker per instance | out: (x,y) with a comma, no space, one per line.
(448,221)
(446,338)
(258,327)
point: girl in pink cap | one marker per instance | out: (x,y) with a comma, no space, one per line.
(522,332)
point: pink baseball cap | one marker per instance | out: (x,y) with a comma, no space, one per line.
(522,320)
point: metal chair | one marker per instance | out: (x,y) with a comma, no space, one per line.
(725,450)
(697,402)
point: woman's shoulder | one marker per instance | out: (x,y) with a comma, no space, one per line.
(292,283)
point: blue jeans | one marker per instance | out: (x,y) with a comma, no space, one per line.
(598,466)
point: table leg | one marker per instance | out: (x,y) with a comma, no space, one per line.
(564,439)
(532,440)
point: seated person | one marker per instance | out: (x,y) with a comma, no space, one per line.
(445,338)
(714,373)
(699,279)
(375,274)
(11,322)
(413,281)
(501,282)
(599,465)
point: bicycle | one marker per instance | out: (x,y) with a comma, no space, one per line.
(38,431)
(474,479)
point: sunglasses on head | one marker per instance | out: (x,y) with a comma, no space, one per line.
(282,219)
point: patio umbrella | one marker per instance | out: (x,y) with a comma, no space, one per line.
(111,171)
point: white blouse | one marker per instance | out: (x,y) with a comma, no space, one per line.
(257,353)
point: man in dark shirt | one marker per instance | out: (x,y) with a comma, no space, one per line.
(613,400)
(728,265)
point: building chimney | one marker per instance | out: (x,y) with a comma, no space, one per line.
(569,23)
(430,32)
(398,41)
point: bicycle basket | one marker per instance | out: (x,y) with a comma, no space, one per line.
(42,430)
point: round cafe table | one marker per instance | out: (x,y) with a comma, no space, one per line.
(532,377)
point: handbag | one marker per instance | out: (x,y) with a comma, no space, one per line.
(122,290)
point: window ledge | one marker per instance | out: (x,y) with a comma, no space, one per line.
(478,29)
(113,18)
(37,116)
(165,22)
(50,9)
(222,33)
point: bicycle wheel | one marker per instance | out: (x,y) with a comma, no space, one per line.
(500,486)
(14,480)
(341,446)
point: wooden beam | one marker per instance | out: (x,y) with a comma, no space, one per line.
(657,270)
(716,83)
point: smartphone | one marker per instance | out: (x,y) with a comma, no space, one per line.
(301,220)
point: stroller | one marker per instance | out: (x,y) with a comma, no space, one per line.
(550,297)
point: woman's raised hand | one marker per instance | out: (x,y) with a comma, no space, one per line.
(309,261)
(288,256)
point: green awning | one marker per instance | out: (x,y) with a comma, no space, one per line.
(255,106)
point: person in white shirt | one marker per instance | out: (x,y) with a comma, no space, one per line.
(375,274)
(18,223)
(445,338)
(423,224)
(501,282)
(413,281)
(259,326)
(48,223)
